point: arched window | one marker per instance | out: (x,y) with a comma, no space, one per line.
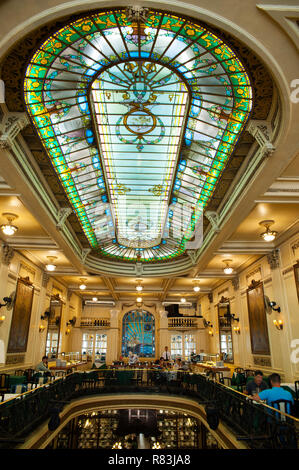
(138,333)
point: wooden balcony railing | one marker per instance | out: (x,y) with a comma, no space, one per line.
(94,323)
(182,322)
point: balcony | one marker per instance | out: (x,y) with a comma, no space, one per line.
(94,323)
(182,323)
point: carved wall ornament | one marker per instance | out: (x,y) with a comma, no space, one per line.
(236,283)
(138,269)
(262,132)
(11,125)
(213,218)
(45,279)
(210,297)
(7,254)
(274,259)
(85,252)
(295,247)
(192,256)
(254,284)
(252,273)
(262,361)
(63,214)
(137,13)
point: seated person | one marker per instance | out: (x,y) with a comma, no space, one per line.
(275,393)
(133,358)
(43,366)
(257,384)
(178,364)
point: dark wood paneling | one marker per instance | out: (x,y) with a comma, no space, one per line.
(258,320)
(20,322)
(296,273)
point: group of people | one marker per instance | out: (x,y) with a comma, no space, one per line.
(164,361)
(259,390)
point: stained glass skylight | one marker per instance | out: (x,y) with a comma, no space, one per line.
(139,117)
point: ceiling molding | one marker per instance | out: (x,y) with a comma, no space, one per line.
(285,16)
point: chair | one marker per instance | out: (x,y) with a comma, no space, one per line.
(297,389)
(19,372)
(29,374)
(218,376)
(138,377)
(249,373)
(239,370)
(226,381)
(285,406)
(4,383)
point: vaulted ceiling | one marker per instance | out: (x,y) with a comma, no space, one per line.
(136,110)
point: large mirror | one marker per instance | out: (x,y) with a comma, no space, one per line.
(53,333)
(225,330)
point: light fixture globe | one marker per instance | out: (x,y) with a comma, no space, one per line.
(268,235)
(51,266)
(227,269)
(9,229)
(95,299)
(196,288)
(139,288)
(82,285)
(139,300)
(183,300)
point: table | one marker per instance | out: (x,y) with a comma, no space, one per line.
(290,385)
(205,366)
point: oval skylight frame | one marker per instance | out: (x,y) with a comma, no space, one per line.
(79,58)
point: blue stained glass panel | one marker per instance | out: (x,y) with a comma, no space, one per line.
(138,333)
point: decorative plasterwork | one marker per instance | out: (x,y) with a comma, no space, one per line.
(11,125)
(7,254)
(45,279)
(262,132)
(213,218)
(107,62)
(63,214)
(273,259)
(236,283)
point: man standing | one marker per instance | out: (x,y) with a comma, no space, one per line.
(166,354)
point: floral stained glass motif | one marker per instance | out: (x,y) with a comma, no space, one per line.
(138,334)
(139,119)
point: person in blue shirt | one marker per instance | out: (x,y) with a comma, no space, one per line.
(275,393)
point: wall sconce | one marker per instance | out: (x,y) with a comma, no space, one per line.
(234,318)
(211,332)
(2,318)
(272,305)
(268,235)
(9,229)
(278,324)
(7,301)
(237,330)
(68,330)
(41,328)
(46,315)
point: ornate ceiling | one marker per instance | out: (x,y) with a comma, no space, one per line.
(136,111)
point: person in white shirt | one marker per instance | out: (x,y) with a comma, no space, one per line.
(166,354)
(133,358)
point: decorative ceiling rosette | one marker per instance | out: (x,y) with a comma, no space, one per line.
(139,115)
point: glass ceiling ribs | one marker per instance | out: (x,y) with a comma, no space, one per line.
(139,119)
